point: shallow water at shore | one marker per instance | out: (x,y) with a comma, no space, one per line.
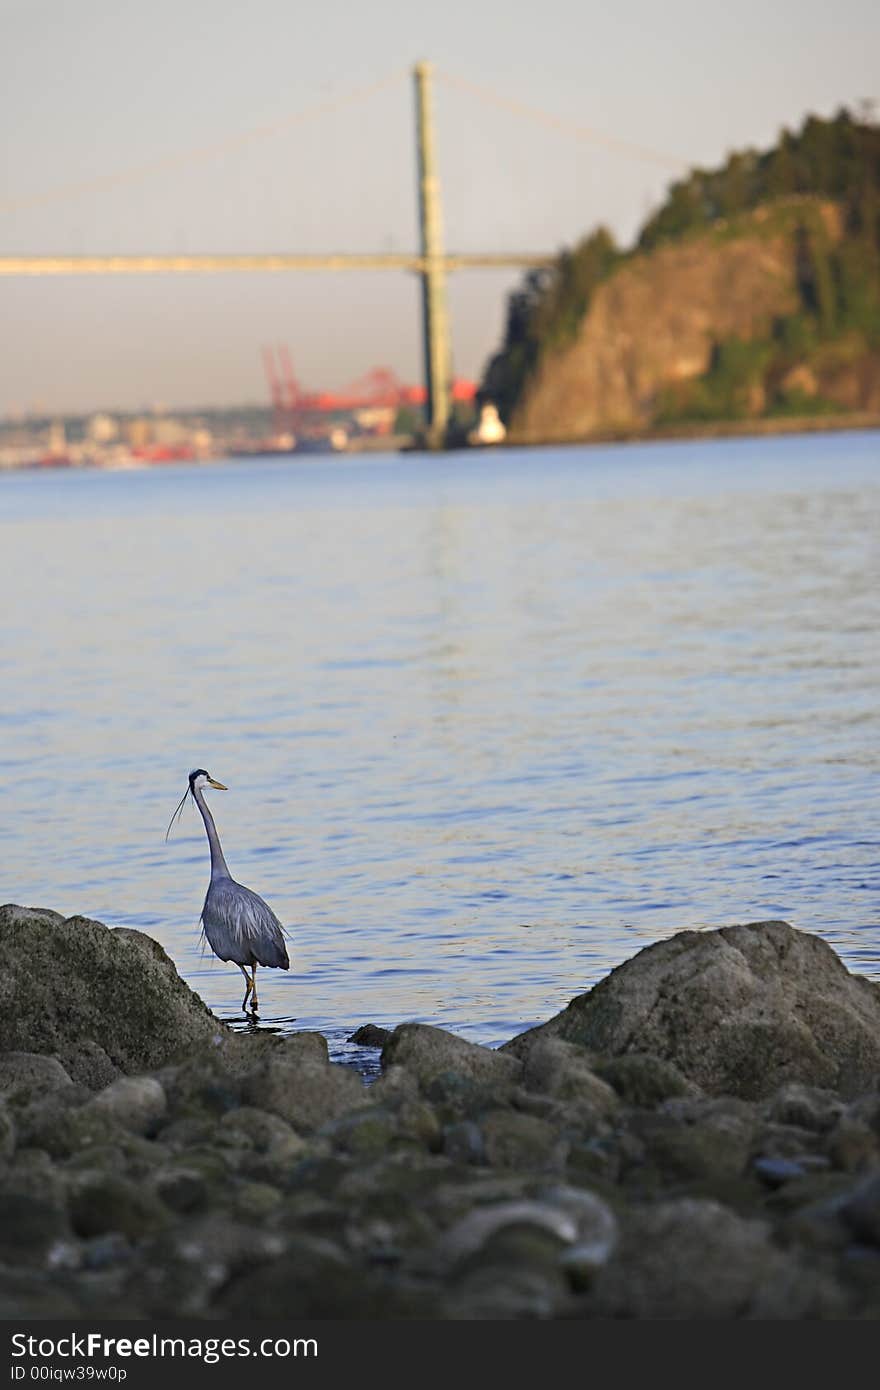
(490,723)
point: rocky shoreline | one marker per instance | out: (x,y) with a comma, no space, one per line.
(696,1137)
(755,427)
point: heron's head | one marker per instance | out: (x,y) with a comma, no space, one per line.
(199,778)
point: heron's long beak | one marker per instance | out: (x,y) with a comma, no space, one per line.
(219,785)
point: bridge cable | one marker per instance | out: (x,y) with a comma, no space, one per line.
(200,153)
(567,127)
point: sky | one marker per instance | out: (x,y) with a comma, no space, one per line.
(95,92)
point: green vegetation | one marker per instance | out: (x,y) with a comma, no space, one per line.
(837,277)
(837,159)
(545,313)
(727,391)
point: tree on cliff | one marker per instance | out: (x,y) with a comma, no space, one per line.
(838,285)
(838,159)
(545,312)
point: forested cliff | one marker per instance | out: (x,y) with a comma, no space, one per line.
(753,291)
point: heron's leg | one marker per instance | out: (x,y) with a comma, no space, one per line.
(254,988)
(248,986)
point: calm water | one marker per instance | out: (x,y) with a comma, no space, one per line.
(490,723)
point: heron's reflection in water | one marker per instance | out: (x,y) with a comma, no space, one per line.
(250,1023)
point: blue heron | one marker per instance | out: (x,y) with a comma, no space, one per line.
(239,926)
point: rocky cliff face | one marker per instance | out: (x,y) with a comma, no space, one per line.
(655,323)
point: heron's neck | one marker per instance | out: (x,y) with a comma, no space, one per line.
(218,863)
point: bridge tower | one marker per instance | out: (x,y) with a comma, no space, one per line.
(435,320)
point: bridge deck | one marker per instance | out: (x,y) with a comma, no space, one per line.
(152,265)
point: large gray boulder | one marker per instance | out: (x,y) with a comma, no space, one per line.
(693,1259)
(67,982)
(306,1092)
(430,1052)
(739,1011)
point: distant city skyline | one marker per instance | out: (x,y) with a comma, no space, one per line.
(104,89)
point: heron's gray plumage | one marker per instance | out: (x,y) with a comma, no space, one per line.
(238,924)
(240,927)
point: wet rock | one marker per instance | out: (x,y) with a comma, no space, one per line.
(578,1263)
(31,1173)
(71,981)
(186,1264)
(202,1087)
(375,1242)
(210,1081)
(26,1295)
(43,1123)
(136,1103)
(384,1188)
(577,1233)
(370,1035)
(808,1107)
(815,1221)
(28,1075)
(213,1164)
(7,1134)
(255,1200)
(693,1259)
(395,1085)
(774,1172)
(414,1121)
(418,1122)
(65,1255)
(84,1132)
(783,1141)
(313,1280)
(127,1154)
(514,1140)
(258,1130)
(546,1108)
(598,1158)
(597,1233)
(474,1230)
(102,1202)
(639,1078)
(302,1047)
(307,1094)
(510,1284)
(430,1052)
(560,1070)
(861,1211)
(854,1145)
(458,1191)
(319,1174)
(866,1111)
(520,1245)
(29,1227)
(463,1142)
(455,1097)
(89,1065)
(689,1139)
(182,1189)
(740,1011)
(103,1252)
(364,1134)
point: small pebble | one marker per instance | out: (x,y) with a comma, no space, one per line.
(775,1172)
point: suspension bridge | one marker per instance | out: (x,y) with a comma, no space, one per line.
(432,263)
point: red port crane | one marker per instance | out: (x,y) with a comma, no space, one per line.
(378,388)
(275,390)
